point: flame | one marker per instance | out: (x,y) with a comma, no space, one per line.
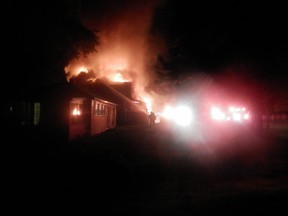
(82,69)
(127,51)
(148,103)
(118,77)
(76,112)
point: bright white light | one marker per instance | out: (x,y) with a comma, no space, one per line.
(246,116)
(183,116)
(231,109)
(217,114)
(148,103)
(168,112)
(236,116)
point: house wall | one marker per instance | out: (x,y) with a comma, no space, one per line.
(89,117)
(103,116)
(79,122)
(111,116)
(23,113)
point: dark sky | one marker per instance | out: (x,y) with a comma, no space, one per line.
(236,31)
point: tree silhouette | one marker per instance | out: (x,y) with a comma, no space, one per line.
(43,37)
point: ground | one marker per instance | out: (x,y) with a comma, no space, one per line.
(149,170)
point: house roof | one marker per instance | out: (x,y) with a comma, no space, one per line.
(101,89)
(116,93)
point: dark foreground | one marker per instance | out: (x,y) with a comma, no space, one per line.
(146,170)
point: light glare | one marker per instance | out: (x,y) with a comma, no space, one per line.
(183,116)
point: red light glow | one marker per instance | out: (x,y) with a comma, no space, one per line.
(237,114)
(217,114)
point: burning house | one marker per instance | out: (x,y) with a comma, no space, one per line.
(90,117)
(37,111)
(73,110)
(129,110)
(104,105)
(122,70)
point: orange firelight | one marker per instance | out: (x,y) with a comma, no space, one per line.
(118,77)
(76,112)
(148,103)
(82,69)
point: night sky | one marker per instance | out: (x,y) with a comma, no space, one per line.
(205,34)
(198,36)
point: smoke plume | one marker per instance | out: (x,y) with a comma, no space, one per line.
(127,51)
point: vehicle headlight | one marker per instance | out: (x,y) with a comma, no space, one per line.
(183,116)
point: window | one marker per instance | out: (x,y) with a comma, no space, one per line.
(36,113)
(76,112)
(98,109)
(102,109)
(94,108)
